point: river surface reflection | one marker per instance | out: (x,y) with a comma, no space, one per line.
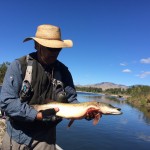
(131,130)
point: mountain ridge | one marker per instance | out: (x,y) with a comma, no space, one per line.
(105,85)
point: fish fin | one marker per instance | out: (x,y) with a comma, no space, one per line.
(70,123)
(96,119)
(92,109)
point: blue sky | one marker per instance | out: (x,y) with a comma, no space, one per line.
(111,37)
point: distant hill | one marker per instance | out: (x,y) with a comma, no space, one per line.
(105,85)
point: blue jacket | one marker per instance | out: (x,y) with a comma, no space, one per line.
(22,112)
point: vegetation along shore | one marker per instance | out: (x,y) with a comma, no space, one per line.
(138,96)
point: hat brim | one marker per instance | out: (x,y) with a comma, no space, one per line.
(51,43)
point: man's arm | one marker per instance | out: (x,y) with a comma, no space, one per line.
(10,101)
(69,86)
(71,94)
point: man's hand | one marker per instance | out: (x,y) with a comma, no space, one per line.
(91,114)
(48,113)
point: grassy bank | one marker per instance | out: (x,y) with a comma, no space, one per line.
(139,101)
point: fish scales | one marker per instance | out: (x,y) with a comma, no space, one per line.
(77,110)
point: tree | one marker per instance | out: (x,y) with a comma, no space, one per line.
(3,68)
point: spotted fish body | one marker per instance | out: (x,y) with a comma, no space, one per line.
(80,110)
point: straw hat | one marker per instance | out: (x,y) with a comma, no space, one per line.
(50,36)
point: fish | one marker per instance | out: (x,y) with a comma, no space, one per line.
(76,111)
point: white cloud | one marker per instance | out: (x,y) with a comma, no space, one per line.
(144,74)
(145,60)
(126,70)
(123,64)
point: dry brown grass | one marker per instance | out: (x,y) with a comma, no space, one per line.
(2,129)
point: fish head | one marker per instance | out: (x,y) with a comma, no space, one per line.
(108,109)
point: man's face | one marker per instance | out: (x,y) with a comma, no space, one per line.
(49,55)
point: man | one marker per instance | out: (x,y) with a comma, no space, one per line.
(36,79)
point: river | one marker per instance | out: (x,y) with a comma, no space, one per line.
(128,131)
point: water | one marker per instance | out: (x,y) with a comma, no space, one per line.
(128,131)
(131,130)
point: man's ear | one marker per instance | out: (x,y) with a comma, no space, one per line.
(36,45)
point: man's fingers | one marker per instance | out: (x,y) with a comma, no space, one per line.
(56,109)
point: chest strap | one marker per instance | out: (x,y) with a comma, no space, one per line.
(26,90)
(28,74)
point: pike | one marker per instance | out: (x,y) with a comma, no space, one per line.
(75,111)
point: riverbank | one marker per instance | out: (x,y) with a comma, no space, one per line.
(139,100)
(139,103)
(135,102)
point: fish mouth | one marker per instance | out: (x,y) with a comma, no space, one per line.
(114,113)
(117,111)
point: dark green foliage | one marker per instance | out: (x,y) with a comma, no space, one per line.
(3,68)
(140,95)
(116,91)
(89,89)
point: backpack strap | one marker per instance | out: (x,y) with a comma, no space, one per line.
(28,74)
(26,89)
